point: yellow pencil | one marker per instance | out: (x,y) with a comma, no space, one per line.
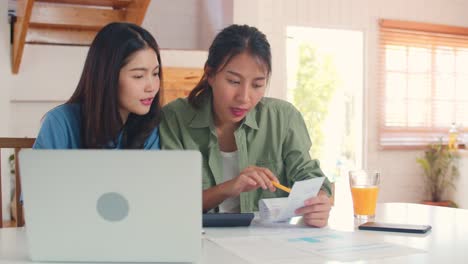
(279,186)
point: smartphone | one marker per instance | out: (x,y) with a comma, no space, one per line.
(227,219)
(404,228)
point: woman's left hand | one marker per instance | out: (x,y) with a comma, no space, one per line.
(316,210)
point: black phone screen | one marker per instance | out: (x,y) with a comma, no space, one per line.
(405,228)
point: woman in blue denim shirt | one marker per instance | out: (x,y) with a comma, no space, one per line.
(116,103)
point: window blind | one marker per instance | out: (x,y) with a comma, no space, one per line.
(423,84)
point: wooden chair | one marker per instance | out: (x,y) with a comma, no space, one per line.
(17,144)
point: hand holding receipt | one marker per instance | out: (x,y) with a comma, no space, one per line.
(282,209)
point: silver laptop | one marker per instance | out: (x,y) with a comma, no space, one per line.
(112,205)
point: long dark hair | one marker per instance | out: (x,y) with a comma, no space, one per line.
(230,42)
(97,90)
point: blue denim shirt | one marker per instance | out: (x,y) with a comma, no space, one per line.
(61,130)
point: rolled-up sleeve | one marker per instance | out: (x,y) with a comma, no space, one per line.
(296,145)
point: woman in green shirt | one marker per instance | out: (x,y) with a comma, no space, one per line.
(246,140)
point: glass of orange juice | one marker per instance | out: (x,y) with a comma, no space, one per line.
(364,189)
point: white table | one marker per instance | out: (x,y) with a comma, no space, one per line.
(446,243)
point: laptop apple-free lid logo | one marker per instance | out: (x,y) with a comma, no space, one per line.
(112,206)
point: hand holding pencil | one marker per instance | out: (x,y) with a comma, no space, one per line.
(250,178)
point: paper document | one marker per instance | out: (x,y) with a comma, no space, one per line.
(313,247)
(282,209)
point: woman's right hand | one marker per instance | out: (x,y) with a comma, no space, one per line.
(249,179)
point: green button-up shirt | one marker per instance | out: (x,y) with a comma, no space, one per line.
(272,135)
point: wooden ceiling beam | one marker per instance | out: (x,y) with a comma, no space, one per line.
(116,4)
(69,22)
(54,16)
(23,11)
(57,36)
(136,11)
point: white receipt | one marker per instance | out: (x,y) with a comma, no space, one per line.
(282,209)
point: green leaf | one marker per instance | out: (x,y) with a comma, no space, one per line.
(317,80)
(440,169)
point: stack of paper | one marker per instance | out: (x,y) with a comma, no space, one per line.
(282,209)
(308,245)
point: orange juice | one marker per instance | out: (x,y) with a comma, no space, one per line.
(364,199)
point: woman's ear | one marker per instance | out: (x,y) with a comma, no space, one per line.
(210,80)
(209,76)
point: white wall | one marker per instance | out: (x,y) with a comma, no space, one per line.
(214,15)
(401,175)
(462,183)
(175,25)
(187,24)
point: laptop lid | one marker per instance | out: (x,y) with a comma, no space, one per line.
(112,205)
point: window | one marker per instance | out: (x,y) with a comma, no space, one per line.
(424,82)
(328,93)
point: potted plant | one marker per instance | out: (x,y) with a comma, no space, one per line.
(440,167)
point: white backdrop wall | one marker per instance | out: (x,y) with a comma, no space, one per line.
(401,175)
(188,24)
